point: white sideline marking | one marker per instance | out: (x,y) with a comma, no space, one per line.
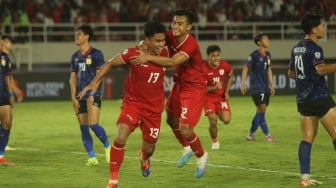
(174,162)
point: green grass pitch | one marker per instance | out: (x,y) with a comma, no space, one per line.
(50,153)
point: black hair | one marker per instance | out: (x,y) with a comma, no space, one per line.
(153,27)
(187,13)
(213,48)
(7,37)
(258,37)
(87,30)
(310,21)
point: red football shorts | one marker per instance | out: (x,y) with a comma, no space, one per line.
(216,105)
(186,102)
(135,115)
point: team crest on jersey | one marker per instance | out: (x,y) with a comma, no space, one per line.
(317,55)
(3,61)
(125,51)
(88,60)
(221,72)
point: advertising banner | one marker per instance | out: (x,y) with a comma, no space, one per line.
(38,86)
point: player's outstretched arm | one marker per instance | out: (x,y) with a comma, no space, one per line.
(94,84)
(143,57)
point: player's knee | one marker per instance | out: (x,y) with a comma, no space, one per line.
(148,148)
(186,130)
(226,121)
(213,123)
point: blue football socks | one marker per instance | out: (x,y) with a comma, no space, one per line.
(255,124)
(4,136)
(87,140)
(263,124)
(101,134)
(304,156)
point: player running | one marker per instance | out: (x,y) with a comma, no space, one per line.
(219,80)
(143,100)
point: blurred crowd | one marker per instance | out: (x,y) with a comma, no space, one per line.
(113,11)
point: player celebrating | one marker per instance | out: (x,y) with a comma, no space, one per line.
(314,101)
(219,80)
(185,102)
(85,64)
(143,100)
(261,78)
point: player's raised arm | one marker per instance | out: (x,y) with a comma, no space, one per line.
(94,84)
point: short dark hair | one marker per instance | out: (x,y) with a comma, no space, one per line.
(153,27)
(87,30)
(7,37)
(258,37)
(310,21)
(213,48)
(187,13)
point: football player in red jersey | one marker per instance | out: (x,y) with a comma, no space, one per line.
(143,100)
(185,102)
(219,80)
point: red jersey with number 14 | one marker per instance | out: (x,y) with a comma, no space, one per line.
(216,75)
(144,83)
